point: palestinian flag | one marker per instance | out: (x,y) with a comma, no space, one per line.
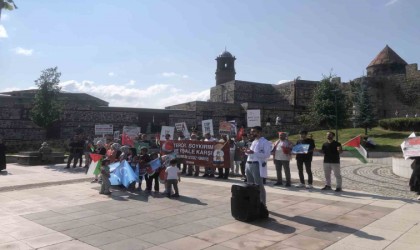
(95,164)
(356,149)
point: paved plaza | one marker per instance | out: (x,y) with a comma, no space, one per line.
(46,207)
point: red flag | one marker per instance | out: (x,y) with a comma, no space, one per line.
(127,140)
(240,133)
(355,142)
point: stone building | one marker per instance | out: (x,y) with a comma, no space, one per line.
(393,84)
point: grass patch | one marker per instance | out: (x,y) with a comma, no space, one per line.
(386,141)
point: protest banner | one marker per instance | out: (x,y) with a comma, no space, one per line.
(201,153)
(104,129)
(167,130)
(411,147)
(253,117)
(207,127)
(129,135)
(181,127)
(224,128)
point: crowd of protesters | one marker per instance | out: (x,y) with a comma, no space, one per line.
(281,151)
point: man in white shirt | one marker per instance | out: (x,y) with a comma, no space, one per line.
(256,165)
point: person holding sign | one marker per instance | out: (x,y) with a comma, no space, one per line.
(305,158)
(282,153)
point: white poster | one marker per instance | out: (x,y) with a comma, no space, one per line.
(182,127)
(253,117)
(167,130)
(104,129)
(207,126)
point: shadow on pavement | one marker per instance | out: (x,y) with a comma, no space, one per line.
(273,225)
(61,168)
(328,227)
(191,200)
(345,193)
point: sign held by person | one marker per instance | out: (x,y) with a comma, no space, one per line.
(253,117)
(104,129)
(181,127)
(207,126)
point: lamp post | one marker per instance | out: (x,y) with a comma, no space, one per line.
(336,113)
(336,117)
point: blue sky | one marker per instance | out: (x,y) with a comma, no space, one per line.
(155,53)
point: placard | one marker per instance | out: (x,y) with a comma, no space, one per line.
(207,127)
(253,118)
(103,129)
(182,127)
(167,130)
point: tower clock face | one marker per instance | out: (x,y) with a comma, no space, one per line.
(226,65)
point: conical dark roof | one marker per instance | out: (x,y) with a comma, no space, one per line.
(387,56)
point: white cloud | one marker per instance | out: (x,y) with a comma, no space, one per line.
(131,83)
(5,17)
(391,2)
(283,81)
(173,74)
(3,32)
(24,52)
(182,96)
(119,95)
(169,74)
(111,74)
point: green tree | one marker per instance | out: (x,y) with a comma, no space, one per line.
(328,108)
(408,93)
(7,5)
(46,108)
(363,111)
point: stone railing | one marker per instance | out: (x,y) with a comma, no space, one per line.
(32,158)
(402,167)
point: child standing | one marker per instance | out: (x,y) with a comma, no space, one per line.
(105,174)
(173,176)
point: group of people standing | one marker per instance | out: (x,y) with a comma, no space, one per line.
(114,152)
(260,149)
(282,154)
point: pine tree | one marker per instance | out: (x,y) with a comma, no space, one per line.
(364,115)
(46,108)
(328,103)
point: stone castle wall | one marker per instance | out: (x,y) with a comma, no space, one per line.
(384,94)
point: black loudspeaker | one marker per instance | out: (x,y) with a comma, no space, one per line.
(245,203)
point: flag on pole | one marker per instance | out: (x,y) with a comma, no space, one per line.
(95,164)
(123,174)
(356,149)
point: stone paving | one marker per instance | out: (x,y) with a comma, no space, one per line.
(46,207)
(370,177)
